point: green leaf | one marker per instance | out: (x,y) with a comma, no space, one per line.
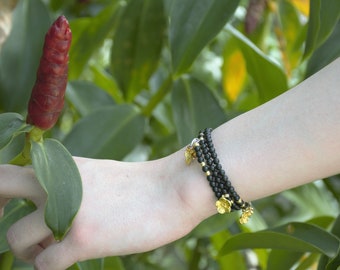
(282,259)
(107,133)
(87,97)
(331,263)
(311,200)
(269,78)
(12,150)
(294,32)
(91,264)
(193,24)
(326,53)
(14,210)
(105,80)
(323,17)
(214,225)
(113,263)
(137,45)
(190,99)
(58,174)
(11,125)
(21,53)
(298,237)
(88,35)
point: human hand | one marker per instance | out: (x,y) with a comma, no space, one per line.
(126,208)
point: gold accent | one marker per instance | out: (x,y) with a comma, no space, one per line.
(223,205)
(207,173)
(246,213)
(189,154)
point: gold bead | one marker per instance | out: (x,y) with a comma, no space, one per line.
(202,163)
(207,173)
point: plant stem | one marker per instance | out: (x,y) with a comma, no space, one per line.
(23,158)
(162,91)
(6,261)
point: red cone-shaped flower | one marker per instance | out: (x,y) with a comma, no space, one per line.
(47,98)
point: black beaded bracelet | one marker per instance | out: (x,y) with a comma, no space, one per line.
(202,149)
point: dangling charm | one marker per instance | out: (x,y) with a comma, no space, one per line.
(190,153)
(246,213)
(223,205)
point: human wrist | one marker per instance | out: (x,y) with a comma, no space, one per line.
(195,195)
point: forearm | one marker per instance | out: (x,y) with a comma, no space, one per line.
(287,142)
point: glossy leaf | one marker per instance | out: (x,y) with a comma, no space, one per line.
(299,237)
(14,210)
(20,54)
(323,17)
(87,97)
(269,78)
(193,24)
(107,133)
(11,125)
(58,174)
(137,45)
(194,108)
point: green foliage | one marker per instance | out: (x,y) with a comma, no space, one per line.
(60,180)
(145,76)
(20,55)
(14,210)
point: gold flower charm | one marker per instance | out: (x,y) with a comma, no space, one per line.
(246,213)
(223,205)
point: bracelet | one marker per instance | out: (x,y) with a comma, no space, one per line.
(202,149)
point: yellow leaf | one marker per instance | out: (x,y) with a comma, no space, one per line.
(302,6)
(235,73)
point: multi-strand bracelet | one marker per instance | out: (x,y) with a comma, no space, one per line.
(202,149)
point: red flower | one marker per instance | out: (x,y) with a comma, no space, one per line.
(47,98)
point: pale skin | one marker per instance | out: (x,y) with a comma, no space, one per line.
(135,207)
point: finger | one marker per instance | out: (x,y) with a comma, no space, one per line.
(25,235)
(19,182)
(58,256)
